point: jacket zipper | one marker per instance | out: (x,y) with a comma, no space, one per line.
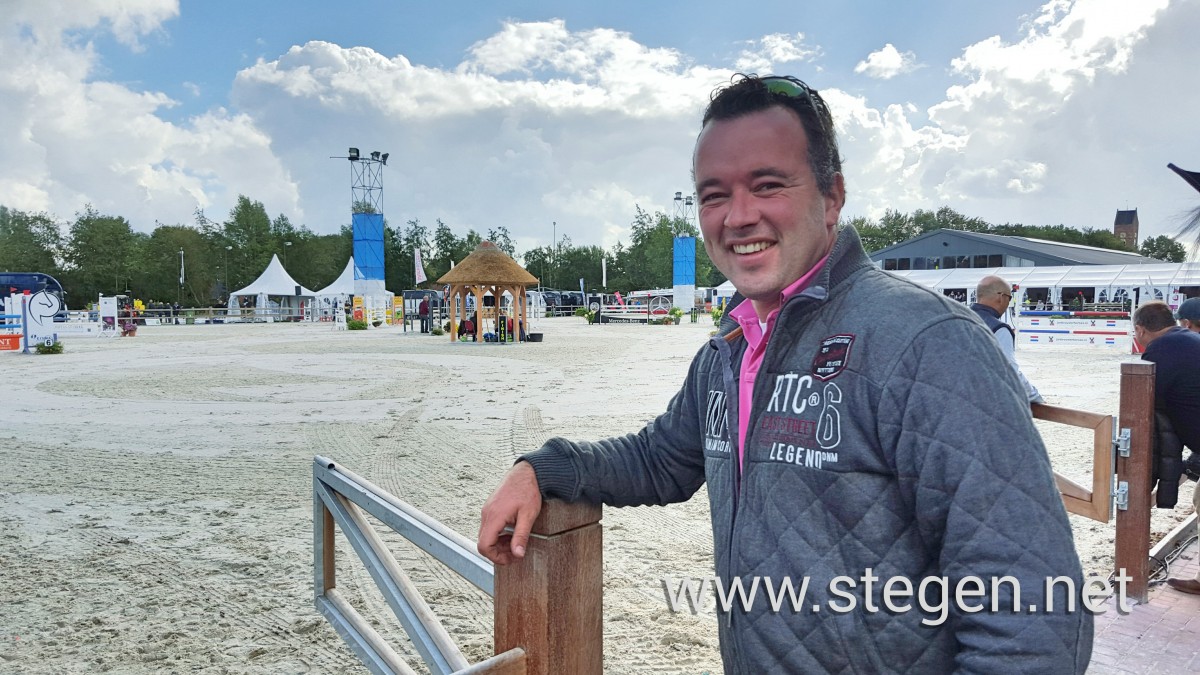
(817,293)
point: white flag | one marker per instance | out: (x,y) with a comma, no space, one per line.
(419,269)
(180,267)
(603,272)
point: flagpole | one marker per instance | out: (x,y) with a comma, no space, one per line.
(179,295)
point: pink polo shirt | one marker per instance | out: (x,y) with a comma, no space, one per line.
(756,346)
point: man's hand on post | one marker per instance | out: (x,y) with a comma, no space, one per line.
(516,503)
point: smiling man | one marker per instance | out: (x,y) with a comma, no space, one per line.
(857,433)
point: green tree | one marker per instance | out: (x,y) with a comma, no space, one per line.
(948,219)
(649,259)
(538,262)
(447,248)
(248,230)
(897,227)
(1103,239)
(398,247)
(102,256)
(29,242)
(503,241)
(159,266)
(1163,247)
(323,258)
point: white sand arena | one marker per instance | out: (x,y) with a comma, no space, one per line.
(157,490)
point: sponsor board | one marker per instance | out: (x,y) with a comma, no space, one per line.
(1073,323)
(639,317)
(1074,339)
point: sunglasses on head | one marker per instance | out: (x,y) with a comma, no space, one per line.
(795,88)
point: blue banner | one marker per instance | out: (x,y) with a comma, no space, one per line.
(368,245)
(685,261)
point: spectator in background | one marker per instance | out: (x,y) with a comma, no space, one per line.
(423,313)
(1189,314)
(993,296)
(1175,351)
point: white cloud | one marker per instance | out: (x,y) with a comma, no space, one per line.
(70,140)
(128,20)
(887,63)
(1065,125)
(773,50)
(540,124)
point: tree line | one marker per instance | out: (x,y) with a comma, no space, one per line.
(100,253)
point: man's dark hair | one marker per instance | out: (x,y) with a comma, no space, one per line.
(1154,316)
(748,94)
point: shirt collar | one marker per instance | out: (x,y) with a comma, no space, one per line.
(744,313)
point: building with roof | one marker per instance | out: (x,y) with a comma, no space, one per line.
(1125,227)
(956,249)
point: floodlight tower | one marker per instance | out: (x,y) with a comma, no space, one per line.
(683,279)
(366,181)
(366,209)
(685,208)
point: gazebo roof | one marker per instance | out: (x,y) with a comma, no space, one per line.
(487,264)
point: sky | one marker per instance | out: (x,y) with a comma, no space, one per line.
(562,118)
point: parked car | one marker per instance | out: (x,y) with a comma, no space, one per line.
(553,302)
(572,300)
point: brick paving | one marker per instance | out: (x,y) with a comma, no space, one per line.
(1161,637)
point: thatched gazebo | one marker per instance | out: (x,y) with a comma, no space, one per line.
(488,269)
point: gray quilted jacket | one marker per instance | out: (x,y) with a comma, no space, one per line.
(888,432)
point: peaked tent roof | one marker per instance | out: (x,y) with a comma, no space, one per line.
(274,281)
(344,284)
(487,264)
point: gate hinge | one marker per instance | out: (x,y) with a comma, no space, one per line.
(1121,495)
(1121,442)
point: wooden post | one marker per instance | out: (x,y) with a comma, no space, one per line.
(1136,470)
(551,603)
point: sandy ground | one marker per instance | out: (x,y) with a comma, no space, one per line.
(156,491)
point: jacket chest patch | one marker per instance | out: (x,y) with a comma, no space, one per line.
(801,419)
(716,424)
(832,356)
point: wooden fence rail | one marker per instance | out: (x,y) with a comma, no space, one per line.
(548,610)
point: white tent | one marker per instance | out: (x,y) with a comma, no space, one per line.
(343,285)
(275,281)
(1106,283)
(336,293)
(722,293)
